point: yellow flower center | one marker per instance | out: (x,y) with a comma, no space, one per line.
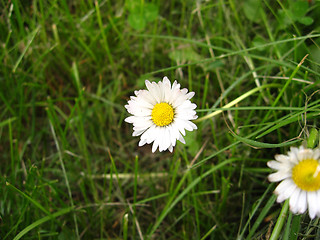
(306,174)
(162,114)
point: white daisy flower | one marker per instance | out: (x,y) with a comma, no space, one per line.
(299,173)
(161,114)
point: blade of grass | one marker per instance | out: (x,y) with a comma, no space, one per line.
(33,35)
(287,230)
(282,216)
(237,100)
(174,200)
(285,87)
(34,202)
(261,216)
(43,220)
(65,177)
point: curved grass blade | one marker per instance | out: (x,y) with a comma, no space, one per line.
(43,220)
(264,145)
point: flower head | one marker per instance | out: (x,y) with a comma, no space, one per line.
(299,173)
(161,114)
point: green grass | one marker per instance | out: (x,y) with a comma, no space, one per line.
(70,168)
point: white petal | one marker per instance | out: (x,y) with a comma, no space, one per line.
(318,200)
(312,204)
(287,192)
(316,154)
(142,142)
(154,90)
(174,134)
(282,158)
(166,81)
(155,145)
(293,202)
(190,95)
(138,133)
(293,155)
(175,85)
(278,176)
(302,202)
(305,154)
(274,165)
(129,119)
(164,141)
(181,139)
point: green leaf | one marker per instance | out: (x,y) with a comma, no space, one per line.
(306,20)
(313,138)
(150,12)
(252,10)
(284,20)
(299,9)
(133,5)
(137,21)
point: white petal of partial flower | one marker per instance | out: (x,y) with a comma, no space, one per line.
(174,134)
(305,154)
(138,133)
(318,200)
(274,165)
(282,158)
(312,204)
(181,139)
(130,119)
(287,192)
(302,202)
(164,143)
(153,89)
(179,100)
(190,95)
(293,155)
(155,146)
(278,176)
(146,96)
(281,188)
(293,202)
(175,85)
(142,142)
(316,154)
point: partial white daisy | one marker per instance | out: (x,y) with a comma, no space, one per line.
(299,173)
(161,114)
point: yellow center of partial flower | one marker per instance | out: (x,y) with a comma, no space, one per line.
(162,114)
(306,174)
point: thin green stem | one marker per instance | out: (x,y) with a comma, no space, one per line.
(282,217)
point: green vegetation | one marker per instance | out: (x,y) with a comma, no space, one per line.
(70,168)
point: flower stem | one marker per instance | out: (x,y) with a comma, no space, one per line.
(277,229)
